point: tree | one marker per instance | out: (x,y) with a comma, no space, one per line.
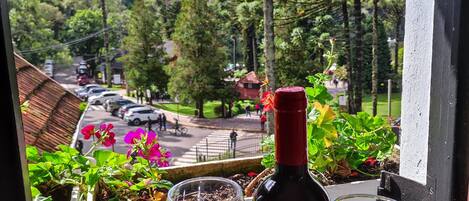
(32,31)
(249,14)
(269,53)
(348,56)
(106,45)
(374,71)
(202,54)
(84,23)
(358,57)
(395,12)
(146,57)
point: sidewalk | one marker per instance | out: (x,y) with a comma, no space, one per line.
(240,122)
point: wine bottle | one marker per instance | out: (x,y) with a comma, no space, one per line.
(291,180)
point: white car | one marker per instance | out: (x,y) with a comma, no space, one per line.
(138,115)
(103,97)
(91,92)
(86,88)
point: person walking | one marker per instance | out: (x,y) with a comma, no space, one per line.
(160,123)
(163,121)
(233,136)
(258,107)
(248,112)
(263,120)
(149,124)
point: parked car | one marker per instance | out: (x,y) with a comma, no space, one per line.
(91,92)
(86,88)
(123,109)
(114,105)
(103,97)
(139,115)
(83,80)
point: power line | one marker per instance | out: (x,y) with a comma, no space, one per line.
(59,46)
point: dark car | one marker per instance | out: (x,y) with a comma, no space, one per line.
(113,106)
(122,110)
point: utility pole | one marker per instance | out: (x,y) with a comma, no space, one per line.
(106,45)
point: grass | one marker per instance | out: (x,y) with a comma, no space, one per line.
(113,88)
(383,104)
(190,109)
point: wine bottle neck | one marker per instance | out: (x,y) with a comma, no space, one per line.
(290,137)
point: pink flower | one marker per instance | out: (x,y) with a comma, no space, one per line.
(109,140)
(87,131)
(106,128)
(133,137)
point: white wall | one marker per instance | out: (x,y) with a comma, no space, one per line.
(416,89)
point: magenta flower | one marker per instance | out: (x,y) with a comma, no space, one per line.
(145,145)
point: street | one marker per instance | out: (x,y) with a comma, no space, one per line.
(178,145)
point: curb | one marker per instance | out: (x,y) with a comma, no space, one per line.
(196,125)
(77,129)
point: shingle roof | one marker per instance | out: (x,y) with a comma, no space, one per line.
(52,113)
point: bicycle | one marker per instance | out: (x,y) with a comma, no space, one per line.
(179,130)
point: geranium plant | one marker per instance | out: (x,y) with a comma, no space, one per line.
(339,143)
(102,136)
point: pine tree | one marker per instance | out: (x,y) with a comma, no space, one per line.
(145,58)
(202,55)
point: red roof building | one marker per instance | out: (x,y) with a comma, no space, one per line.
(50,113)
(248,86)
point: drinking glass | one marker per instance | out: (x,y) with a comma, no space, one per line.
(363,197)
(206,189)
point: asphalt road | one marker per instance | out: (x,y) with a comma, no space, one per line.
(178,145)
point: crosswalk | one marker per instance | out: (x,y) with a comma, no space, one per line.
(217,146)
(95,107)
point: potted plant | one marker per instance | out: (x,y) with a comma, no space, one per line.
(53,175)
(135,176)
(341,147)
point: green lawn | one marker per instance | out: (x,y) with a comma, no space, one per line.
(190,109)
(383,104)
(114,87)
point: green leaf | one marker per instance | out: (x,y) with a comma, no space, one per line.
(102,157)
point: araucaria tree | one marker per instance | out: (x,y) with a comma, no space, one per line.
(146,56)
(201,54)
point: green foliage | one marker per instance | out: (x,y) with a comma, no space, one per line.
(318,93)
(384,56)
(146,57)
(240,73)
(339,141)
(123,177)
(32,23)
(83,23)
(48,171)
(199,68)
(83,106)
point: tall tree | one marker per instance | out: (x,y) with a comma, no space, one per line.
(374,71)
(348,58)
(269,53)
(395,11)
(202,54)
(146,56)
(358,57)
(106,45)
